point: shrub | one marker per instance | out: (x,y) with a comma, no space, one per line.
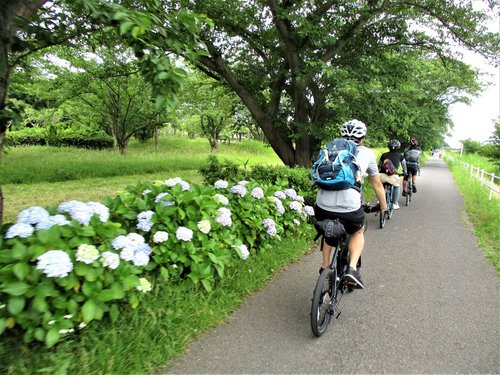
(63,267)
(37,137)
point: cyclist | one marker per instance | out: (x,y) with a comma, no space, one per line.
(346,204)
(396,159)
(412,156)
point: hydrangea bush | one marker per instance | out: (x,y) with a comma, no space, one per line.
(63,267)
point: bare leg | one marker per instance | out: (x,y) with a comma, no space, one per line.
(356,245)
(327,249)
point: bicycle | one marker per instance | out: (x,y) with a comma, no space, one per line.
(331,285)
(409,189)
(386,215)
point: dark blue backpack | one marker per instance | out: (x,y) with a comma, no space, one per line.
(336,167)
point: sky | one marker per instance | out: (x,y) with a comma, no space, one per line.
(477,120)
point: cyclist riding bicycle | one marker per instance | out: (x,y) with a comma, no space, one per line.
(346,205)
(412,156)
(391,176)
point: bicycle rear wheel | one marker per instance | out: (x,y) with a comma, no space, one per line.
(323,302)
(390,205)
(382,218)
(409,190)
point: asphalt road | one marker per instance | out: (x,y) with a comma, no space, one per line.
(431,304)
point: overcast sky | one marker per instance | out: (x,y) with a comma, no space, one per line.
(477,120)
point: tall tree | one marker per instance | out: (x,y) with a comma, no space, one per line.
(286,59)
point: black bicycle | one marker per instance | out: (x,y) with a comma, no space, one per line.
(331,285)
(409,189)
(386,215)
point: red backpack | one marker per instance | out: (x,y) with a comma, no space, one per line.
(387,167)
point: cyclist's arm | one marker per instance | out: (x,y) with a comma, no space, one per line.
(403,165)
(379,191)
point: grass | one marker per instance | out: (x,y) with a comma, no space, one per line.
(484,214)
(47,176)
(162,326)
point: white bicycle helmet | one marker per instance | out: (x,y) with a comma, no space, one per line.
(353,129)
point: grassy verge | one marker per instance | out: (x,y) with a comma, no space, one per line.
(48,176)
(146,339)
(484,214)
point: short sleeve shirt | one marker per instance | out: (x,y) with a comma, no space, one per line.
(350,199)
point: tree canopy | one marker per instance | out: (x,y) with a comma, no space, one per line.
(304,67)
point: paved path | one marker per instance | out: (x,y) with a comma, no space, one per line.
(432,307)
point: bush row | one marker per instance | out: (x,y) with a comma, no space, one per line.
(80,140)
(64,267)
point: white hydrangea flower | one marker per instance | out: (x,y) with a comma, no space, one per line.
(224,217)
(309,210)
(127,254)
(87,253)
(140,259)
(146,192)
(110,260)
(78,211)
(257,193)
(22,230)
(270,225)
(244,251)
(171,182)
(279,205)
(221,184)
(54,263)
(296,206)
(204,226)
(160,236)
(296,222)
(291,193)
(239,189)
(219,198)
(144,285)
(243,183)
(100,210)
(184,234)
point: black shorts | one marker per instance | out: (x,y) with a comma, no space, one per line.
(352,221)
(413,169)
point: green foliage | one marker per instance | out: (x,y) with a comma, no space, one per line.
(189,235)
(484,214)
(297,178)
(47,308)
(39,137)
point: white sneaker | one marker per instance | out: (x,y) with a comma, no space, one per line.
(395,206)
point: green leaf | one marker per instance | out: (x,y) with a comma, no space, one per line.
(16,288)
(21,270)
(52,337)
(39,334)
(89,311)
(18,251)
(39,304)
(164,273)
(114,312)
(16,304)
(207,285)
(3,325)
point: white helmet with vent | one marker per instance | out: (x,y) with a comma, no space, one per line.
(353,129)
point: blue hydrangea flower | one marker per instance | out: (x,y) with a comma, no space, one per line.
(279,194)
(140,259)
(100,210)
(243,251)
(78,211)
(53,220)
(224,217)
(239,189)
(270,226)
(22,230)
(33,215)
(159,198)
(144,220)
(279,205)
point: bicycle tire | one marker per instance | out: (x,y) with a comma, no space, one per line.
(323,302)
(390,205)
(382,217)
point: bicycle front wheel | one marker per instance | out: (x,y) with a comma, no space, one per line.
(382,217)
(323,302)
